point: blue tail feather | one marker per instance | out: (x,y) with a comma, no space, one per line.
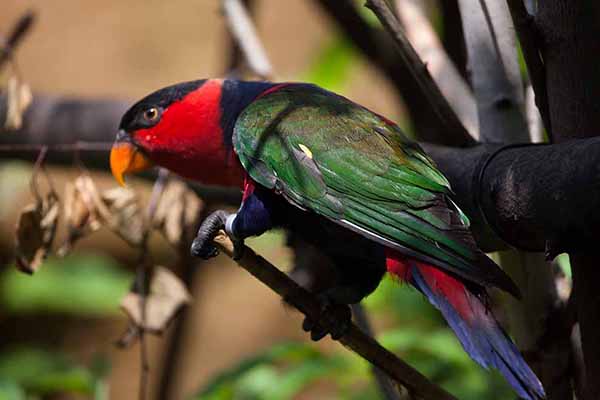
(483,339)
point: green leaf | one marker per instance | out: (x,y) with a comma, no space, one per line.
(11,391)
(44,372)
(78,285)
(298,377)
(259,377)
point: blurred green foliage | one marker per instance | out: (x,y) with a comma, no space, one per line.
(333,65)
(79,285)
(29,373)
(87,285)
(418,335)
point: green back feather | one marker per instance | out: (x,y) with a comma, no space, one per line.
(329,155)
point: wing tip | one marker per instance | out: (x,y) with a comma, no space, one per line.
(498,277)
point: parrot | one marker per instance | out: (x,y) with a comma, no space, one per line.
(343,178)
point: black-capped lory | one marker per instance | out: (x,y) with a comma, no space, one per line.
(342,178)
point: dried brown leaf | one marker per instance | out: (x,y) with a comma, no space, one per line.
(166,296)
(83,210)
(125,215)
(19,97)
(177,214)
(35,232)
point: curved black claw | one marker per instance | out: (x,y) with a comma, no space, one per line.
(202,245)
(334,319)
(238,248)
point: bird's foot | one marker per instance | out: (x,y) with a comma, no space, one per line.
(334,319)
(203,246)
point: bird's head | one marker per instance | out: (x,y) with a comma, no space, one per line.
(180,128)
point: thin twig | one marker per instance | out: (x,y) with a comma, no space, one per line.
(175,345)
(62,147)
(355,339)
(534,118)
(142,279)
(387,388)
(416,67)
(243,30)
(16,36)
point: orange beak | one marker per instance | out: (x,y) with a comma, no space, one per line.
(125,158)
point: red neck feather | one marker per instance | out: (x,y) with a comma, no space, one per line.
(189,139)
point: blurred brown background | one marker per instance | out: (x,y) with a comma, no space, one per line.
(125,49)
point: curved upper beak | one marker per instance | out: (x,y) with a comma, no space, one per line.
(126,158)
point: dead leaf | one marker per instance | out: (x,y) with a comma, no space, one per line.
(83,210)
(177,214)
(166,296)
(36,229)
(19,98)
(125,215)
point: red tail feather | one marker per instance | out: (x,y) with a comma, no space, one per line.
(470,319)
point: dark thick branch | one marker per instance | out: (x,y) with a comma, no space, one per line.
(533,196)
(498,87)
(570,32)
(521,190)
(55,121)
(355,339)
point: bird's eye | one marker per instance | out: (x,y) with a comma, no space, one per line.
(151,114)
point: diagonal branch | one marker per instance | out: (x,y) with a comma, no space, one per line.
(416,68)
(242,29)
(16,36)
(423,37)
(375,44)
(354,339)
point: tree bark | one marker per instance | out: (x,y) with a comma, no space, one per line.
(498,87)
(570,32)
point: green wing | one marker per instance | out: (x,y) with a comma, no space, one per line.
(329,155)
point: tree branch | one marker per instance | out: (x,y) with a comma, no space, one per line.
(16,36)
(242,29)
(375,45)
(388,390)
(452,85)
(72,126)
(354,339)
(570,32)
(528,37)
(498,87)
(520,190)
(495,73)
(417,69)
(509,187)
